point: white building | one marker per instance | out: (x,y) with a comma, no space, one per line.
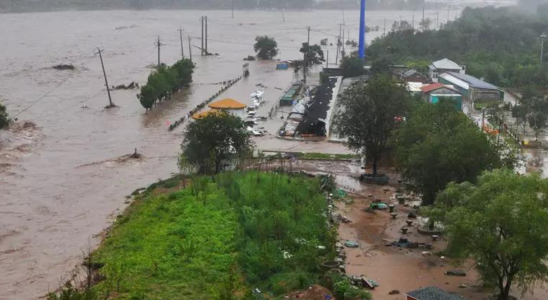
(443,66)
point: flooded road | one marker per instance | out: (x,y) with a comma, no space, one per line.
(63,175)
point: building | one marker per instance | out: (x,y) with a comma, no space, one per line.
(230,106)
(205,114)
(414,76)
(291,94)
(472,88)
(432,293)
(432,93)
(443,66)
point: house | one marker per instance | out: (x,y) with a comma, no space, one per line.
(433,92)
(443,66)
(230,106)
(472,88)
(414,76)
(291,94)
(432,293)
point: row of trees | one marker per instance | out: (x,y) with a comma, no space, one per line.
(165,81)
(267,48)
(500,45)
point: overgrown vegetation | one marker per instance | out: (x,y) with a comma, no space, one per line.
(501,45)
(165,81)
(217,239)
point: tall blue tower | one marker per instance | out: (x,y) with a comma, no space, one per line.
(361,50)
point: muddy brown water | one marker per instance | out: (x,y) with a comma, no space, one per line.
(62,180)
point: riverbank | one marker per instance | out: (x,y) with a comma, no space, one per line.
(204,237)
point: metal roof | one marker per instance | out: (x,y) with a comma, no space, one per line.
(473,81)
(433,293)
(446,64)
(436,86)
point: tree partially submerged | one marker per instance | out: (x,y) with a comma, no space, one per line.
(352,66)
(439,144)
(4,118)
(266,47)
(371,112)
(501,223)
(216,139)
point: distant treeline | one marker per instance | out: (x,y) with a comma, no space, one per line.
(54,5)
(501,45)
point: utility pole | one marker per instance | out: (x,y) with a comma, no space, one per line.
(348,36)
(423,16)
(106,81)
(232,9)
(343,52)
(413,22)
(159,44)
(206,52)
(438,19)
(202,48)
(181,38)
(542,38)
(385,26)
(344,22)
(327,60)
(306,54)
(189,48)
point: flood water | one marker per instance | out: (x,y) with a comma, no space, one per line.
(63,179)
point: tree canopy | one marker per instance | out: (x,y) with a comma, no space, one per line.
(501,45)
(164,81)
(214,139)
(533,110)
(266,47)
(501,223)
(371,111)
(313,54)
(352,66)
(4,118)
(438,145)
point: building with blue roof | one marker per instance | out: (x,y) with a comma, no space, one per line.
(472,88)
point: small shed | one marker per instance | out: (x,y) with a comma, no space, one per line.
(472,88)
(432,93)
(230,106)
(432,293)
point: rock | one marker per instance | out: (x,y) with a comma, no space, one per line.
(462,286)
(394,292)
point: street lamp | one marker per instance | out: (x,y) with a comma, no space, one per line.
(542,37)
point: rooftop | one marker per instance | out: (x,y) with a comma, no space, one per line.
(433,293)
(435,86)
(446,64)
(204,114)
(473,81)
(227,103)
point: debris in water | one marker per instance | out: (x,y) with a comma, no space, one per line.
(63,67)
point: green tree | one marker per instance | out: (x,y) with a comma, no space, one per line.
(266,47)
(438,145)
(185,69)
(370,114)
(213,139)
(147,97)
(313,55)
(501,223)
(381,66)
(4,118)
(352,66)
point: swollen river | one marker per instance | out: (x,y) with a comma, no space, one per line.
(63,171)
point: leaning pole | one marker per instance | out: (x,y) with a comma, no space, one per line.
(361,50)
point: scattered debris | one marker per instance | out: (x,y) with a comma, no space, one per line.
(132,85)
(394,292)
(250,58)
(314,292)
(460,273)
(462,286)
(63,67)
(351,244)
(344,219)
